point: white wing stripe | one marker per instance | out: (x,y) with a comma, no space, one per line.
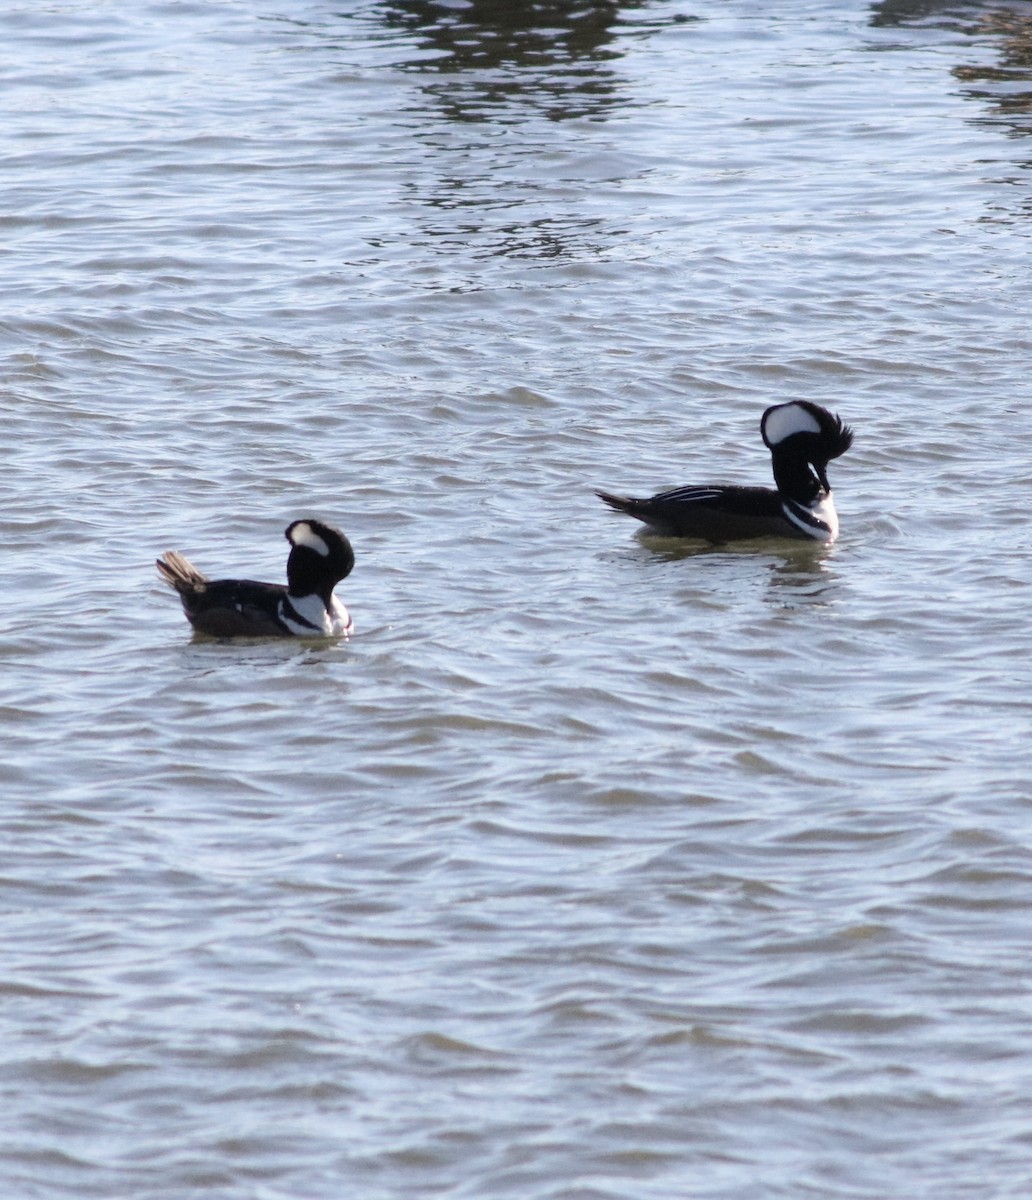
(690,494)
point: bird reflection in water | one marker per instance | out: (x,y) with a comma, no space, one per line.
(798,575)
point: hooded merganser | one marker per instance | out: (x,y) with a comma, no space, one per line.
(320,557)
(802,439)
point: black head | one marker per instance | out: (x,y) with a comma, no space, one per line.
(320,557)
(801,433)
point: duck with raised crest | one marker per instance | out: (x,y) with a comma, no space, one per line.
(320,557)
(802,438)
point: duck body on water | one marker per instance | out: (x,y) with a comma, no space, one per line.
(306,606)
(802,438)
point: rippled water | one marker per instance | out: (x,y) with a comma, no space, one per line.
(594,867)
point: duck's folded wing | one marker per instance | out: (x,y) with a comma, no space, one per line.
(714,513)
(237,608)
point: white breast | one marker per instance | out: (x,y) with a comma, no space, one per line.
(820,520)
(341,619)
(335,623)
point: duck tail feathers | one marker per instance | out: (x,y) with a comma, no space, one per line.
(178,572)
(625,504)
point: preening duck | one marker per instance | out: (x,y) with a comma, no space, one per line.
(802,438)
(320,557)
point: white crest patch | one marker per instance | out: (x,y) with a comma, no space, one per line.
(787,419)
(304,535)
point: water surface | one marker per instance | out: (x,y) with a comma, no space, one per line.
(593,867)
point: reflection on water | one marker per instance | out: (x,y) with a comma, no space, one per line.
(804,556)
(802,579)
(540,238)
(906,12)
(1004,87)
(1008,28)
(1003,93)
(488,64)
(477,68)
(797,572)
(546,57)
(489,33)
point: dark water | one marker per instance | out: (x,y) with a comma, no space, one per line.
(591,868)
